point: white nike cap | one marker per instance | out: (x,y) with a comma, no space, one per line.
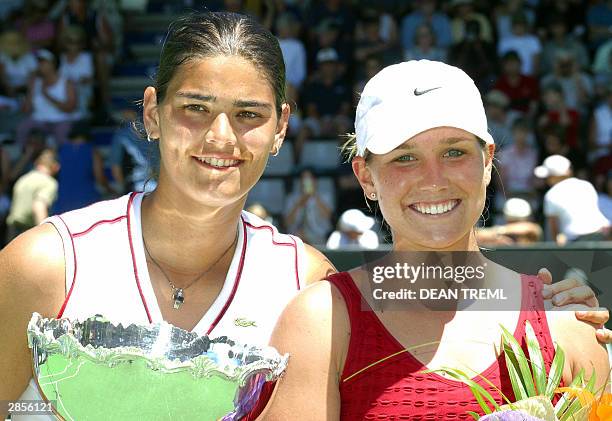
(554,165)
(405,99)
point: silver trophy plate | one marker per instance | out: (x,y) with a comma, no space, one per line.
(97,370)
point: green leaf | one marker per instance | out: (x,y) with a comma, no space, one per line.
(535,356)
(474,415)
(556,370)
(515,380)
(591,384)
(479,392)
(523,365)
(565,401)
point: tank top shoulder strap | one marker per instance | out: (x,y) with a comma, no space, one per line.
(351,294)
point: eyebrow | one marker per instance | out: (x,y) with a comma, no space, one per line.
(448,141)
(237,103)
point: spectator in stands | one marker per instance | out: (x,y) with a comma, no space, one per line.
(370,43)
(81,178)
(525,43)
(259,210)
(77,65)
(424,46)
(559,40)
(373,65)
(602,65)
(556,111)
(523,90)
(464,12)
(51,101)
(354,231)
(34,145)
(99,37)
(475,56)
(503,13)
(426,12)
(517,162)
(33,195)
(604,196)
(517,227)
(133,161)
(17,64)
(570,206)
(307,213)
(388,30)
(499,117)
(599,23)
(327,35)
(294,53)
(600,135)
(577,85)
(571,11)
(36,25)
(338,11)
(326,102)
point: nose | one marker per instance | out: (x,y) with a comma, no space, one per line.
(433,176)
(221,131)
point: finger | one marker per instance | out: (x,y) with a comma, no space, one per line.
(604,336)
(596,317)
(545,276)
(559,287)
(577,295)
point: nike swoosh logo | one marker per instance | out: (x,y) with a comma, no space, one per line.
(417,92)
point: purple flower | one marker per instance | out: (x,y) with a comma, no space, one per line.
(510,416)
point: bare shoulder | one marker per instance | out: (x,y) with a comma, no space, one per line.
(318,265)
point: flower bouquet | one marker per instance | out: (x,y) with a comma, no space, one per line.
(534,389)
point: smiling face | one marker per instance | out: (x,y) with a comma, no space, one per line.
(430,190)
(217,125)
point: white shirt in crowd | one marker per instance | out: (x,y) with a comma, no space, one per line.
(527,46)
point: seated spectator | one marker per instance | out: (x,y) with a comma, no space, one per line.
(370,43)
(602,66)
(503,13)
(526,44)
(388,30)
(599,22)
(560,40)
(77,65)
(33,195)
(463,12)
(81,177)
(523,90)
(338,11)
(17,64)
(499,117)
(294,53)
(133,161)
(426,11)
(517,227)
(517,162)
(570,205)
(354,231)
(475,56)
(36,25)
(604,196)
(373,65)
(327,35)
(260,211)
(601,128)
(326,102)
(577,86)
(425,46)
(51,101)
(307,214)
(557,112)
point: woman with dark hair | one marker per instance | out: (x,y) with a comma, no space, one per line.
(422,152)
(186,253)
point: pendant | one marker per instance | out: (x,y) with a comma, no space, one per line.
(178,297)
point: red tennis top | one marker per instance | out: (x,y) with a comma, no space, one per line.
(395,389)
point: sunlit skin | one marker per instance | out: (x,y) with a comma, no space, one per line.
(440,165)
(220,107)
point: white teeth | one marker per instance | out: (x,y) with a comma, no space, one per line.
(435,209)
(219,162)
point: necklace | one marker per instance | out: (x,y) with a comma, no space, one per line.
(178,294)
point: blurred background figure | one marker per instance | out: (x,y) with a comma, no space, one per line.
(426,11)
(516,228)
(523,90)
(354,231)
(570,205)
(600,135)
(51,101)
(424,47)
(259,210)
(33,195)
(463,12)
(524,42)
(308,214)
(559,40)
(81,180)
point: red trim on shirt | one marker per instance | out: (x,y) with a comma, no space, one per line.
(236,280)
(61,312)
(292,244)
(104,221)
(129,229)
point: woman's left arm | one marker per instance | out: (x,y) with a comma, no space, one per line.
(574,291)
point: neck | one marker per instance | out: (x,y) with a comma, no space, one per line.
(467,243)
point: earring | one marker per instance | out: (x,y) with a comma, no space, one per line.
(151,139)
(276,151)
(373,196)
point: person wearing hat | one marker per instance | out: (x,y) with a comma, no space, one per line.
(517,229)
(354,230)
(570,205)
(423,154)
(51,101)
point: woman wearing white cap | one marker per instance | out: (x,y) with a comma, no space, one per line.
(422,151)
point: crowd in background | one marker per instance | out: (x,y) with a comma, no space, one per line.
(544,68)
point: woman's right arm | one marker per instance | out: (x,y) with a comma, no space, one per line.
(31,280)
(314,330)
